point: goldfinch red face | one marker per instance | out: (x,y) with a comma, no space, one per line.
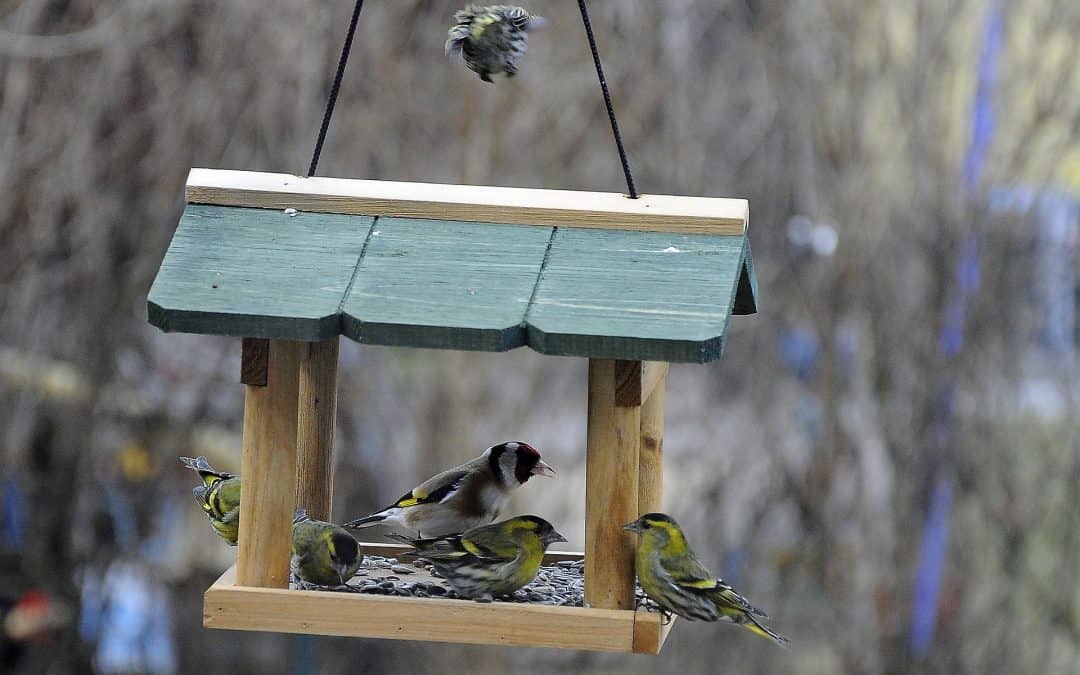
(520,460)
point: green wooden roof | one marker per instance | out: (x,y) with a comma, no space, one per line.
(573,291)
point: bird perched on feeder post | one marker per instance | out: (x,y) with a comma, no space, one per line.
(671,576)
(491,39)
(323,554)
(489,561)
(218,496)
(464,497)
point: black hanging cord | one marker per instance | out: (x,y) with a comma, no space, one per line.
(335,88)
(607,101)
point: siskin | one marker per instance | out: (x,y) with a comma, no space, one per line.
(322,553)
(671,575)
(491,39)
(219,497)
(489,561)
(463,497)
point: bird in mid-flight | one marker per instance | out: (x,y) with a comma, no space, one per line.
(491,39)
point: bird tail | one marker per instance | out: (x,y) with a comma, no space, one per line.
(401,538)
(759,628)
(367,521)
(206,472)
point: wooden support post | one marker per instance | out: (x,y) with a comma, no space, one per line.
(611,483)
(651,456)
(268,470)
(315,428)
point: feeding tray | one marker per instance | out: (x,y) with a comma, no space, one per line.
(291,263)
(344,614)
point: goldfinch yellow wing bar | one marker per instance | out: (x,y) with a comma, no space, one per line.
(526,206)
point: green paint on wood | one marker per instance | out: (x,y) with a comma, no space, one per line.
(445,284)
(257,273)
(453,285)
(635,295)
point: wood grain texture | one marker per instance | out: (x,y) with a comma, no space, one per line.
(229,606)
(526,206)
(635,380)
(257,273)
(628,383)
(653,373)
(643,295)
(611,476)
(650,632)
(444,284)
(651,452)
(315,427)
(254,358)
(268,471)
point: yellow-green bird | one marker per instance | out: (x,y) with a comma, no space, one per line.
(671,576)
(492,560)
(491,39)
(218,496)
(323,554)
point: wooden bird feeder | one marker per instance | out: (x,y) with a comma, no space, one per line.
(631,285)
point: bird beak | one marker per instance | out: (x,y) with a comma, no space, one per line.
(556,537)
(543,469)
(632,527)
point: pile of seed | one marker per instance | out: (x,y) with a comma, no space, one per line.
(560,584)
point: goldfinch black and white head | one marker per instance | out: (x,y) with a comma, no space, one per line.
(464,497)
(491,39)
(672,577)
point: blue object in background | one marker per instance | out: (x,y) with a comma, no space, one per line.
(11,533)
(935,543)
(935,535)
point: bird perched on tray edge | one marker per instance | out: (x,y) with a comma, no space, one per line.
(323,554)
(492,560)
(671,575)
(464,497)
(218,496)
(491,39)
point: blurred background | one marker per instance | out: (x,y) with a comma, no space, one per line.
(886,458)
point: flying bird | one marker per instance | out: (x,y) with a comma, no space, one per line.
(491,39)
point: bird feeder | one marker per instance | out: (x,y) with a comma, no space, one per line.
(289,264)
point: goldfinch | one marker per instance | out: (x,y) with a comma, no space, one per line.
(489,561)
(322,553)
(464,497)
(219,497)
(671,575)
(491,39)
